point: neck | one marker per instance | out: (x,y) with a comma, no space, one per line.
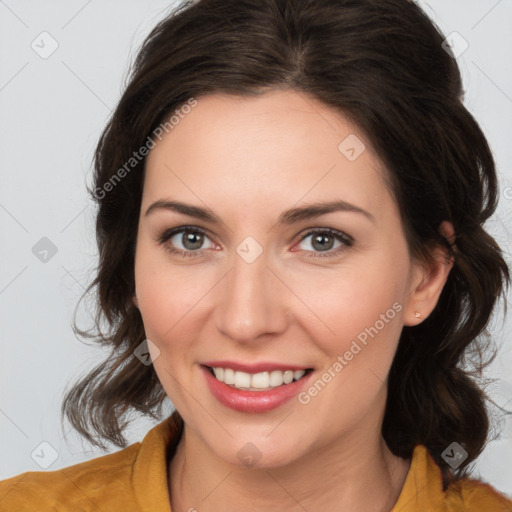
(357,472)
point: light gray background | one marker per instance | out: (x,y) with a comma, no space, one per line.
(52,112)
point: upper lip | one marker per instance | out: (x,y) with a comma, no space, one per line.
(254,368)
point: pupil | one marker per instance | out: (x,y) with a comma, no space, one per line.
(188,240)
(319,239)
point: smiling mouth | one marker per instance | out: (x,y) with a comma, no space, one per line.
(261,381)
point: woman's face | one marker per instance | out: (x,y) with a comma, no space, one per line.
(267,288)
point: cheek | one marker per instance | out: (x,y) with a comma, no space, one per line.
(169,298)
(167,301)
(158,302)
(363,311)
(360,308)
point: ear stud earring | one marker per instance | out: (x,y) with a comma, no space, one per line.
(417,315)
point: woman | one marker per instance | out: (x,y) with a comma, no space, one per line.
(291,199)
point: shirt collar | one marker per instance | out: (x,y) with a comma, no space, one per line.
(422,489)
(150,476)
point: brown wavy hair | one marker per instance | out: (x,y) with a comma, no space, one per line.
(381,64)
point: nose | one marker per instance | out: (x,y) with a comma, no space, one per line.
(252,302)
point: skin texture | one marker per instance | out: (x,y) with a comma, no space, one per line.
(248,160)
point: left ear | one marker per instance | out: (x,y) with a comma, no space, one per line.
(428,280)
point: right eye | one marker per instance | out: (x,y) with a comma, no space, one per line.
(190,238)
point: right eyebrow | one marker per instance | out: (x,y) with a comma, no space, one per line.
(204,214)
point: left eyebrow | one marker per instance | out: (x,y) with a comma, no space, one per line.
(315,210)
(290,216)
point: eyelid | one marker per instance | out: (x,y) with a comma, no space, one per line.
(167,234)
(335,232)
(347,240)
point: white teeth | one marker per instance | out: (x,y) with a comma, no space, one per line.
(255,381)
(260,380)
(229,376)
(298,374)
(242,380)
(288,377)
(276,378)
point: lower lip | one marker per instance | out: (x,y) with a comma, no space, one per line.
(253,401)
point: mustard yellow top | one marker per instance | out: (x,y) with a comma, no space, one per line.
(135,480)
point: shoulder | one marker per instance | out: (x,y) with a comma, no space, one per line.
(79,487)
(423,490)
(472,495)
(129,480)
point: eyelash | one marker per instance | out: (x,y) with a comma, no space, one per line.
(346,240)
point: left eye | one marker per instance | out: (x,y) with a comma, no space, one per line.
(323,240)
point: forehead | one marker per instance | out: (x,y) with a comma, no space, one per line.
(279,147)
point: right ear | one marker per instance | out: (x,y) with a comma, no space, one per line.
(135,301)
